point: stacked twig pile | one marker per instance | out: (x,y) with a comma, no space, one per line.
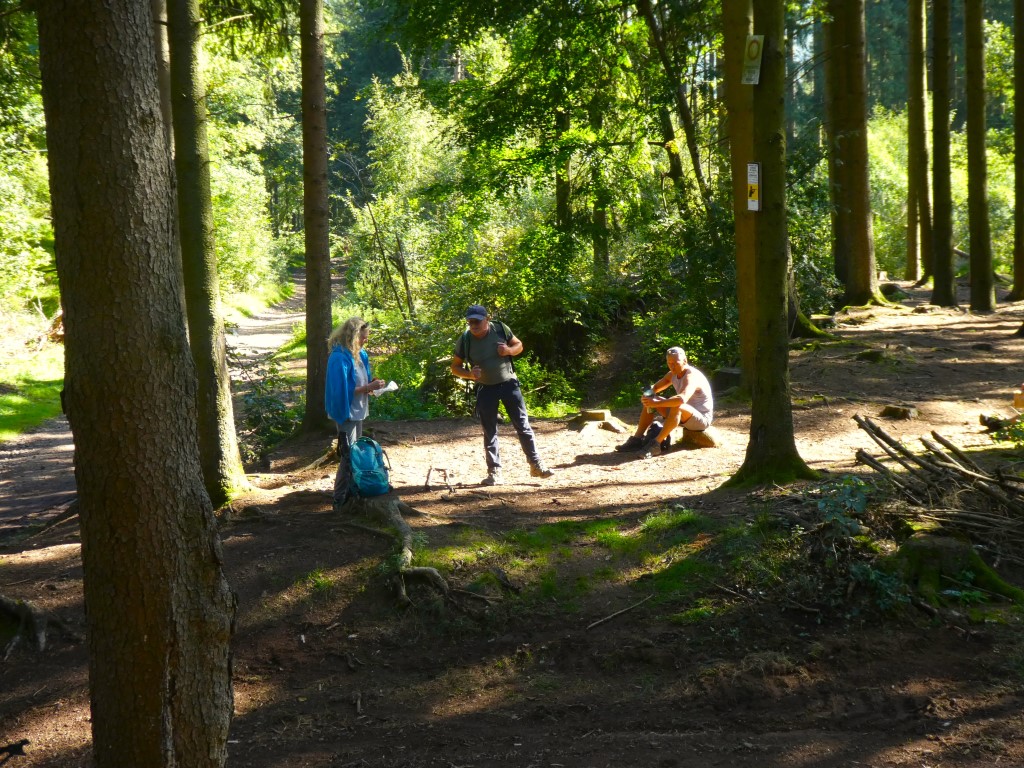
(952,490)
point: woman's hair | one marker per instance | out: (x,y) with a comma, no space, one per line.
(347,335)
(678,353)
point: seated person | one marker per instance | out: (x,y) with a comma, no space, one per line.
(692,406)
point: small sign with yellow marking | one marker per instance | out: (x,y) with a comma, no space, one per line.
(753,186)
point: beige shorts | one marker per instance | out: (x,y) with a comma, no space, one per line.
(698,422)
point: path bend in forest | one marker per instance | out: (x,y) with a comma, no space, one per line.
(37,479)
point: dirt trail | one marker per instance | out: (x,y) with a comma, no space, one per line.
(37,476)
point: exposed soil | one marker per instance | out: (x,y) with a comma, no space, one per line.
(328,672)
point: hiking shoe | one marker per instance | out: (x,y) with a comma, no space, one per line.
(494,477)
(632,444)
(539,470)
(666,444)
(648,442)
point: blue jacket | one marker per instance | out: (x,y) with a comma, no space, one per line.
(341,382)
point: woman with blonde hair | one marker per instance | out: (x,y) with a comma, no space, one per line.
(349,382)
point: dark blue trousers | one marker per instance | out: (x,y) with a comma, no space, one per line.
(487,398)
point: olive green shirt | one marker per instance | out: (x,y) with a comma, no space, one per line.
(494,368)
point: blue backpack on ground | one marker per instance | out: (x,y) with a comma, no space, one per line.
(369,472)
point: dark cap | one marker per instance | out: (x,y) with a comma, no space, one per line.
(476,312)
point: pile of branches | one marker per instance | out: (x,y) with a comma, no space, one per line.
(951,490)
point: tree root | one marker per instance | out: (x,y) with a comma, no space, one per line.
(391,510)
(28,623)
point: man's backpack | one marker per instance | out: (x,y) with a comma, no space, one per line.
(370,475)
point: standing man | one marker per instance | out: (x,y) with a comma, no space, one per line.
(484,354)
(692,406)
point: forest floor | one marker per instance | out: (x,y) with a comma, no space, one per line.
(329,672)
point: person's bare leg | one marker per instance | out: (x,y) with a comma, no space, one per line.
(646,419)
(673,419)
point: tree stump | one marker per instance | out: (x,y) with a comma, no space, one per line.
(709,438)
(924,560)
(597,418)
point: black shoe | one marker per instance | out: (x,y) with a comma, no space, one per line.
(666,444)
(632,444)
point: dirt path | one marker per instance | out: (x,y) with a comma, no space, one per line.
(37,479)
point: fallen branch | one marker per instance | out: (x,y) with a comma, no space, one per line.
(619,613)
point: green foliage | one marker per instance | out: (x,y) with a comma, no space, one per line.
(273,406)
(1011,433)
(30,388)
(887,157)
(318,582)
(810,230)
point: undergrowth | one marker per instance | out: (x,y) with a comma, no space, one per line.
(831,561)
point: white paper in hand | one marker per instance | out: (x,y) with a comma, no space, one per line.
(391,387)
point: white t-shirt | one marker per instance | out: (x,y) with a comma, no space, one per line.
(360,407)
(701,400)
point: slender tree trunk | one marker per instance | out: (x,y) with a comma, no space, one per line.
(943,287)
(159,608)
(836,74)
(1018,156)
(738,22)
(820,56)
(919,224)
(218,446)
(602,197)
(315,212)
(563,209)
(851,115)
(983,295)
(675,163)
(771,452)
(679,94)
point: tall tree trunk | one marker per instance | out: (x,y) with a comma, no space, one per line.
(836,73)
(983,295)
(738,22)
(218,446)
(919,218)
(563,209)
(602,197)
(159,617)
(771,451)
(678,90)
(851,116)
(315,212)
(943,287)
(820,54)
(1018,156)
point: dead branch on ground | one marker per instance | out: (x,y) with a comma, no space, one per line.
(951,490)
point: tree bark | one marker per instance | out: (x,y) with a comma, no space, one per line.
(850,113)
(738,22)
(601,196)
(1018,292)
(159,609)
(315,212)
(983,295)
(218,446)
(771,451)
(835,84)
(1018,156)
(943,287)
(919,212)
